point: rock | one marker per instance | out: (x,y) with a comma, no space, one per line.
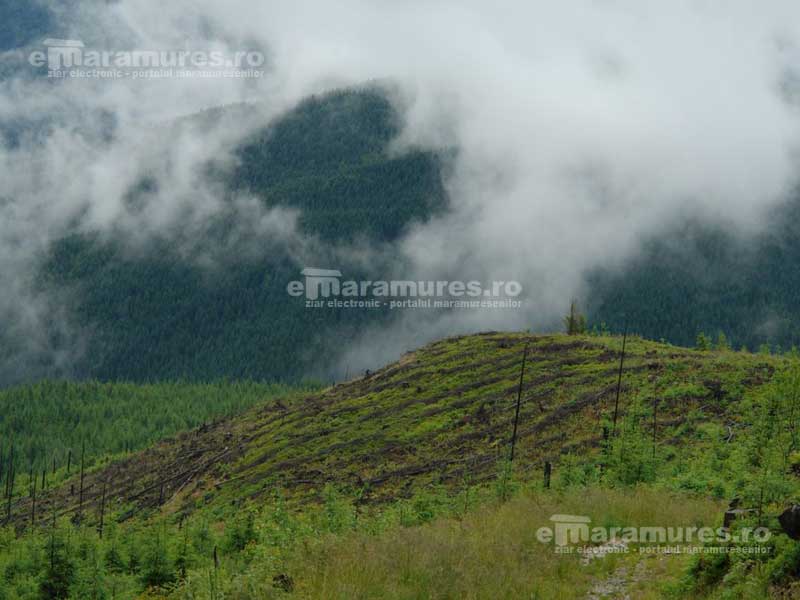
(283,582)
(482,414)
(790,522)
(715,389)
(729,518)
(732,515)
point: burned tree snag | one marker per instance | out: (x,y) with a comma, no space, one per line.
(102,510)
(80,494)
(519,402)
(619,379)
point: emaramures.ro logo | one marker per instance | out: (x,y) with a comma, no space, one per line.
(573,534)
(71,59)
(325,288)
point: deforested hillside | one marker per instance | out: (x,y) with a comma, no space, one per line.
(422,441)
(446,410)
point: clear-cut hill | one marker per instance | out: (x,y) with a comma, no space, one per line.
(439,415)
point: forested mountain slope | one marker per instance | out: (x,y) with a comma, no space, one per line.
(704,278)
(153,315)
(48,424)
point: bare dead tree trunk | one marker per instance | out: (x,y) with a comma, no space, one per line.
(53,538)
(80,494)
(10,482)
(519,402)
(102,509)
(655,424)
(33,503)
(10,467)
(619,379)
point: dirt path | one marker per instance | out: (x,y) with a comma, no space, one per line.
(617,585)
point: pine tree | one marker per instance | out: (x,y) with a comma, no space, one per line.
(722,342)
(60,573)
(156,567)
(702,342)
(574,322)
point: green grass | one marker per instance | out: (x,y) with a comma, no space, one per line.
(389,484)
(492,552)
(434,545)
(445,410)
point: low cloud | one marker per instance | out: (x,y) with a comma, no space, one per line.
(578,128)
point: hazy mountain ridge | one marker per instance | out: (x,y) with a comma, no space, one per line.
(153,314)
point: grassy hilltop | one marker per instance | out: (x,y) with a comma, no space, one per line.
(446,410)
(413,458)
